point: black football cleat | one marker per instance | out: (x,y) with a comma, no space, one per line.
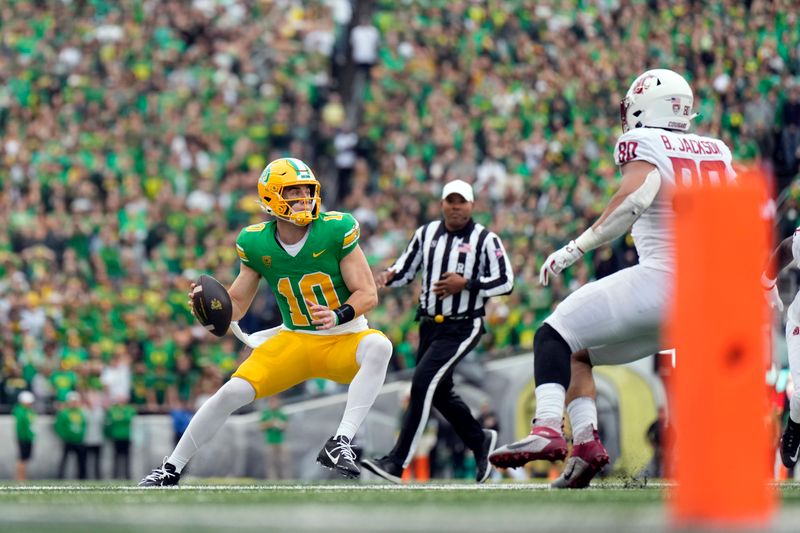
(163,476)
(790,444)
(482,466)
(384,467)
(338,455)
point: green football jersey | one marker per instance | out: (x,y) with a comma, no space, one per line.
(313,274)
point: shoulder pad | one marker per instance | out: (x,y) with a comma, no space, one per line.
(637,144)
(256,227)
(332,215)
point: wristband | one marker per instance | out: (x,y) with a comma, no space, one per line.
(344,313)
(472,285)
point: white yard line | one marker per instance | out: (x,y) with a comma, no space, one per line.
(323,488)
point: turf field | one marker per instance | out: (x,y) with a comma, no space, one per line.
(347,507)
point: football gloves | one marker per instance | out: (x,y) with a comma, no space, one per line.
(773,296)
(558,261)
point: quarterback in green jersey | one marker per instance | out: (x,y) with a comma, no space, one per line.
(314,265)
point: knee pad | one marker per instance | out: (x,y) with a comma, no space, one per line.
(234,394)
(551,357)
(374,347)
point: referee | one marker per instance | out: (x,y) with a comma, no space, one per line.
(462,265)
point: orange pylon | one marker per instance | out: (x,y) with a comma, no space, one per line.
(718,326)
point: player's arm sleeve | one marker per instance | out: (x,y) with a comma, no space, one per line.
(640,185)
(636,193)
(351,233)
(408,264)
(244,287)
(241,248)
(497,278)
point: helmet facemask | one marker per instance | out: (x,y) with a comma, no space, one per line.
(624,105)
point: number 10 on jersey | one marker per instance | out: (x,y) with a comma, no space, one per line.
(298,311)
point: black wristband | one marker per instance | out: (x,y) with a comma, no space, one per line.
(472,285)
(344,313)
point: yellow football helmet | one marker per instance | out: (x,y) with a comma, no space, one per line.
(282,173)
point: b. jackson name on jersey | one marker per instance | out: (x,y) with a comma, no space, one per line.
(691,146)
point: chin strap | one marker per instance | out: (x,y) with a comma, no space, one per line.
(303,218)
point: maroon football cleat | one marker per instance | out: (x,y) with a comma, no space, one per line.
(543,443)
(586,461)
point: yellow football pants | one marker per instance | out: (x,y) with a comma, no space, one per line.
(289,358)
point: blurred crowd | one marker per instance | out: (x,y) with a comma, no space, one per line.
(132,135)
(522,99)
(132,138)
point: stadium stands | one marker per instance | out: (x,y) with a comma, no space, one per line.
(132,138)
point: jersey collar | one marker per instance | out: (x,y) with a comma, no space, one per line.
(463,232)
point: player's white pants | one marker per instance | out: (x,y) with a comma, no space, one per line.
(619,317)
(793,347)
(209,418)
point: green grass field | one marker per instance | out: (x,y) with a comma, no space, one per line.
(246,506)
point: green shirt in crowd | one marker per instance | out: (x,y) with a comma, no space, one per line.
(63,382)
(159,354)
(274,433)
(139,388)
(118,421)
(71,425)
(160,381)
(24,416)
(73,356)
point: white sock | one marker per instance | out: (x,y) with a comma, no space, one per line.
(550,405)
(583,417)
(793,347)
(373,355)
(209,418)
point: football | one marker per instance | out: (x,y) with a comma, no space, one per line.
(212,305)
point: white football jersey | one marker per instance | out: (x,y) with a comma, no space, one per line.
(793,312)
(796,246)
(682,159)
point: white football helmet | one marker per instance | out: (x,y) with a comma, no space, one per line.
(659,98)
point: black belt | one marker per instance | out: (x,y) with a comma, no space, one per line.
(441,319)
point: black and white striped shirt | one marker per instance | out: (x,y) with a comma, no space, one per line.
(473,251)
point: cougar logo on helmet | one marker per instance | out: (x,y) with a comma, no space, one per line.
(643,83)
(655,99)
(276,177)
